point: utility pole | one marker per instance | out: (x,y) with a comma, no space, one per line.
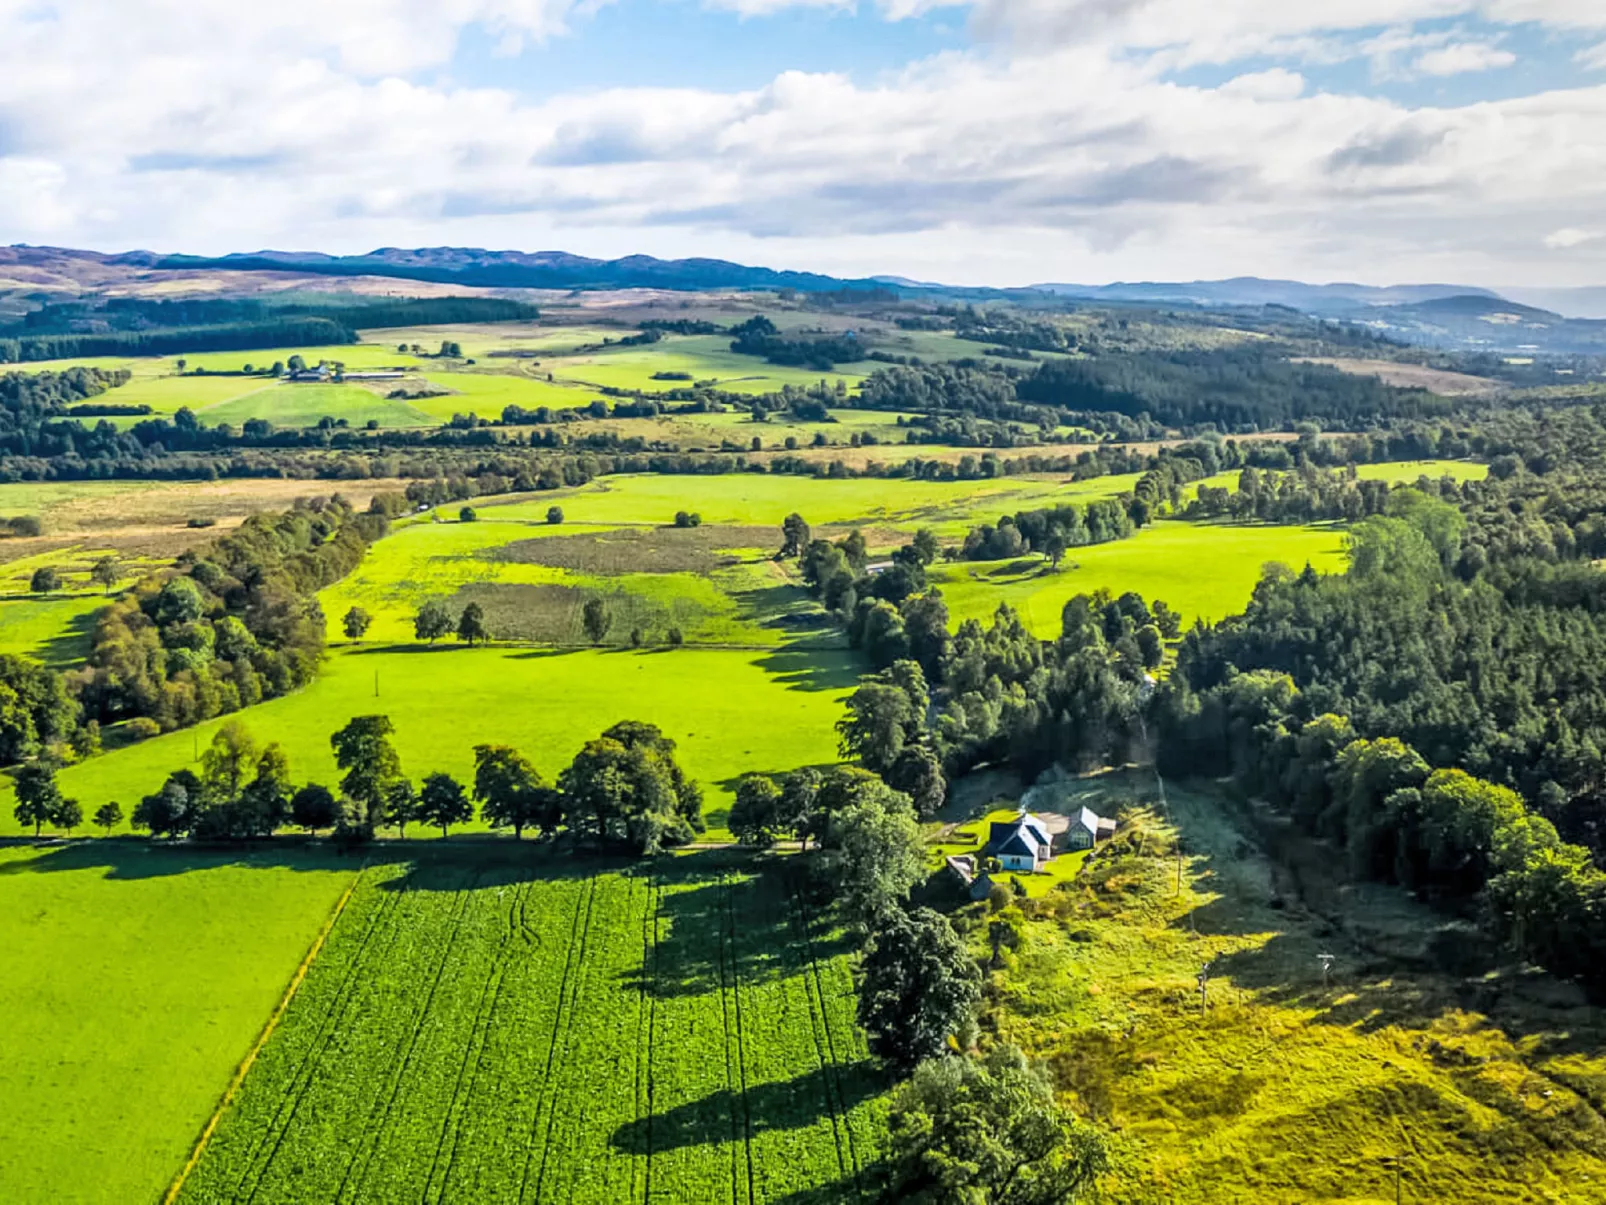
(376,684)
(1204,980)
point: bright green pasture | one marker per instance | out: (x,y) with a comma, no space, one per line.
(705,357)
(1406,472)
(302,405)
(486,393)
(133,981)
(731,711)
(950,507)
(1202,570)
(53,630)
(479,340)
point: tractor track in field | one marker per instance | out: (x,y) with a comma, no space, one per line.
(377,1126)
(463,1090)
(253,1175)
(741,1051)
(562,1024)
(824,1044)
(645,1010)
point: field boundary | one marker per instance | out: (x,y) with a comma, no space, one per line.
(262,1040)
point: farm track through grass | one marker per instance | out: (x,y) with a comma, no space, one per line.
(483,1028)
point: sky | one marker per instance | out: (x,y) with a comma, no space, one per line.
(986,142)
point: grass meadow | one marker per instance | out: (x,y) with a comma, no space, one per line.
(1201,570)
(1483,1084)
(487,1029)
(133,980)
(731,711)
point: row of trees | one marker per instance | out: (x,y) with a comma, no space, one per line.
(623,790)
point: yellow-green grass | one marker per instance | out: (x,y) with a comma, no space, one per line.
(40,497)
(302,405)
(1405,472)
(424,559)
(479,340)
(705,357)
(731,711)
(1201,570)
(133,981)
(949,507)
(53,630)
(970,837)
(1284,1089)
(487,393)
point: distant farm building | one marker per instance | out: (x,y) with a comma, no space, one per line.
(1087,829)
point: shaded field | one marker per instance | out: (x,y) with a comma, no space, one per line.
(53,630)
(542,1031)
(1482,1079)
(1202,570)
(731,711)
(133,981)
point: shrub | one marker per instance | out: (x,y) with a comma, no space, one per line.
(45,579)
(142,728)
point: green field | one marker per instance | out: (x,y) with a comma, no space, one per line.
(302,405)
(732,711)
(1202,570)
(549,1030)
(52,630)
(133,981)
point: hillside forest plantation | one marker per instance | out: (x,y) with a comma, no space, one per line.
(793,745)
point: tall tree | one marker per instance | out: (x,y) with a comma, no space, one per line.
(595,619)
(794,536)
(471,624)
(401,806)
(511,792)
(432,622)
(753,815)
(917,986)
(363,749)
(356,623)
(877,853)
(38,796)
(106,572)
(965,1131)
(314,807)
(108,816)
(444,802)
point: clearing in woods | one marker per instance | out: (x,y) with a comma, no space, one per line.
(508,1029)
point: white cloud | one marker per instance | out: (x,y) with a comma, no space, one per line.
(1275,84)
(1570,236)
(1593,57)
(317,125)
(1458,58)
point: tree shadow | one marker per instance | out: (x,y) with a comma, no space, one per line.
(70,645)
(803,668)
(793,1104)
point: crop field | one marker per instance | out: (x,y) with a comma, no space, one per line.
(1286,1088)
(541,1031)
(1201,570)
(133,981)
(705,357)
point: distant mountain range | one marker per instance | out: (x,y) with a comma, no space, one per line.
(1252,290)
(479,268)
(1448,316)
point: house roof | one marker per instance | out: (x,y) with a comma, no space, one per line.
(1025,827)
(964,866)
(1094,823)
(1021,844)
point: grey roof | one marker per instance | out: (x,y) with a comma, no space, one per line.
(1020,843)
(1093,822)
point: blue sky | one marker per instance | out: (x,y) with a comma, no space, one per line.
(985,141)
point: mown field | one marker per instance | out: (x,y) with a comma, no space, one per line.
(133,981)
(483,1030)
(1483,1080)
